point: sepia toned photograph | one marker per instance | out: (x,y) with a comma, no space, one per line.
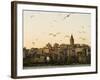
(50,39)
(56,39)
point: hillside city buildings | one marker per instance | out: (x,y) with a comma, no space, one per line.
(63,54)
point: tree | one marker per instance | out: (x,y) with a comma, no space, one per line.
(49,45)
(56,45)
(24,52)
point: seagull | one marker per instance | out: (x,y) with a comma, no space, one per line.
(50,33)
(36,39)
(54,20)
(51,26)
(33,43)
(66,36)
(31,16)
(54,35)
(66,16)
(82,32)
(57,33)
(83,27)
(82,38)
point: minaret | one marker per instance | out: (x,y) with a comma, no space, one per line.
(71,40)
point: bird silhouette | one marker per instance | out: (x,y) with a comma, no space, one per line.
(66,16)
(52,34)
(55,20)
(31,16)
(58,33)
(82,38)
(33,43)
(83,27)
(36,39)
(66,36)
(81,31)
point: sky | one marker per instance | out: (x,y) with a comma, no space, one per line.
(42,27)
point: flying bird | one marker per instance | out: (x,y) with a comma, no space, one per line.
(82,38)
(83,27)
(82,32)
(58,33)
(54,35)
(66,16)
(33,43)
(36,39)
(54,20)
(51,26)
(51,34)
(66,35)
(31,16)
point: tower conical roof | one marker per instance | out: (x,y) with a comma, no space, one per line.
(71,40)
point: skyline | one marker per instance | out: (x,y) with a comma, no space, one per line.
(42,27)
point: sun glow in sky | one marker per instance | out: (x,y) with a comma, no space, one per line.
(41,27)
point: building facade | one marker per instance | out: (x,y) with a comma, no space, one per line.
(61,54)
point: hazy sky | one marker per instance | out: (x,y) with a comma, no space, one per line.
(41,27)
